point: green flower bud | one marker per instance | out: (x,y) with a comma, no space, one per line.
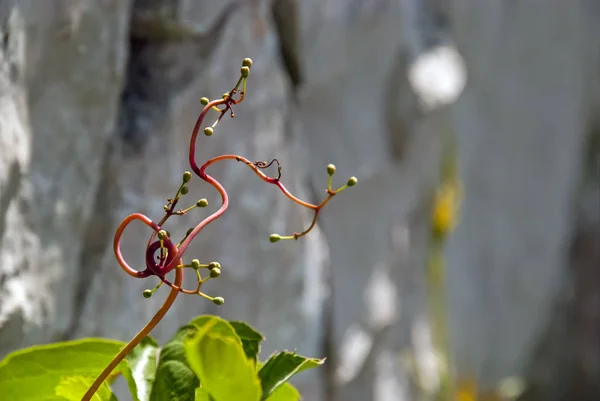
(245,72)
(208,131)
(195,264)
(330,169)
(184,190)
(187,176)
(147,293)
(162,234)
(204,101)
(202,203)
(247,62)
(274,238)
(218,301)
(352,181)
(214,265)
(216,272)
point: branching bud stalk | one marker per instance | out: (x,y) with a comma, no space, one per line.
(163,256)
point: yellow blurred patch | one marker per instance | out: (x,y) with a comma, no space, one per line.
(507,389)
(446,208)
(466,390)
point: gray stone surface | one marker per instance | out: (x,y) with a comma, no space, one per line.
(522,121)
(62,67)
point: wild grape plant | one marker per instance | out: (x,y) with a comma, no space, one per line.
(164,255)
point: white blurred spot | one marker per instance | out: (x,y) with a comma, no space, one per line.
(381,299)
(355,348)
(60,208)
(511,387)
(388,385)
(438,76)
(427,363)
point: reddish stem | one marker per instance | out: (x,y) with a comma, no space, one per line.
(137,339)
(174,255)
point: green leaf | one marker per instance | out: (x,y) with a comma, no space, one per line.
(281,367)
(285,392)
(217,356)
(175,381)
(251,338)
(72,388)
(142,369)
(57,371)
(202,395)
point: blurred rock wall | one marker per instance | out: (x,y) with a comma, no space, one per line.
(97,100)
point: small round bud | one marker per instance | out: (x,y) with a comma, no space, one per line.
(274,238)
(245,72)
(187,176)
(204,101)
(218,301)
(184,190)
(225,95)
(330,169)
(208,131)
(195,264)
(147,293)
(162,234)
(214,265)
(202,203)
(352,181)
(216,272)
(247,62)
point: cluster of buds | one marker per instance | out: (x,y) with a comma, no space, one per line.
(352,181)
(163,255)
